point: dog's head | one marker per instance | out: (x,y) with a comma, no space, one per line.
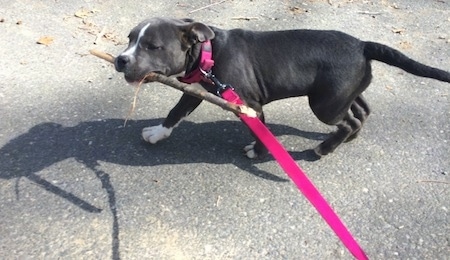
(160,45)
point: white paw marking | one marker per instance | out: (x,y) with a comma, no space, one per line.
(153,134)
(249,150)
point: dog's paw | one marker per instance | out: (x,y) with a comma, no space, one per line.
(318,151)
(153,134)
(250,151)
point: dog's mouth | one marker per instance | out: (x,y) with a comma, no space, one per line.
(146,78)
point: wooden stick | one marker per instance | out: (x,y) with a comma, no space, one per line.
(100,35)
(442,182)
(192,90)
(103,55)
(207,6)
(245,18)
(368,13)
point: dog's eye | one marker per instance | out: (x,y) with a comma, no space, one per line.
(152,47)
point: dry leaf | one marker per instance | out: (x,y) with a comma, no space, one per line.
(84,13)
(398,30)
(114,38)
(395,6)
(297,10)
(405,45)
(46,40)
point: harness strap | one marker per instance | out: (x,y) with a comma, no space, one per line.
(296,174)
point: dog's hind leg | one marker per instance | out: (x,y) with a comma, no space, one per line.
(348,116)
(361,111)
(340,103)
(346,128)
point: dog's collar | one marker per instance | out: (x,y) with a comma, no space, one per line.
(205,65)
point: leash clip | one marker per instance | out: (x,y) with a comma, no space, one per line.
(220,86)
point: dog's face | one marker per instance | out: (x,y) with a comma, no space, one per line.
(160,45)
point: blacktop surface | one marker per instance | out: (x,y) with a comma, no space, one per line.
(75,183)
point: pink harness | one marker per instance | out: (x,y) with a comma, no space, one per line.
(203,73)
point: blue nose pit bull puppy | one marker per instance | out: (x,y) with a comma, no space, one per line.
(330,67)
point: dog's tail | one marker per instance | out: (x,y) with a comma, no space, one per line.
(388,55)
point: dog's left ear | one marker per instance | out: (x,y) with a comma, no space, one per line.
(196,32)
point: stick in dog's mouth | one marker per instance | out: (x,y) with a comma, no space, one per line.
(186,88)
(103,55)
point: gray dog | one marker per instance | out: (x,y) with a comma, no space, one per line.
(330,67)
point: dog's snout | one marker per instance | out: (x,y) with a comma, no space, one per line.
(121,62)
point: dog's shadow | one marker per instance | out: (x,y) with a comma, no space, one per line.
(110,141)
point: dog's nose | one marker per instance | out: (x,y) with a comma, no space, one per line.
(121,62)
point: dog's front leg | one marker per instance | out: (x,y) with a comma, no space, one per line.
(182,109)
(256,149)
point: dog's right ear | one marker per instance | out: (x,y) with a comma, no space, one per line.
(196,32)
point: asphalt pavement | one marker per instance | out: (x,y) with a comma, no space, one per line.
(77,183)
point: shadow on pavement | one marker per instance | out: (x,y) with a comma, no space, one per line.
(109,141)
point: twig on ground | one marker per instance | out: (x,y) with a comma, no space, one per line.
(369,13)
(244,18)
(99,36)
(441,182)
(206,6)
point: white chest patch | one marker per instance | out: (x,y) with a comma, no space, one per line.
(132,49)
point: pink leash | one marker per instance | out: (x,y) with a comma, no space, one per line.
(296,174)
(280,154)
